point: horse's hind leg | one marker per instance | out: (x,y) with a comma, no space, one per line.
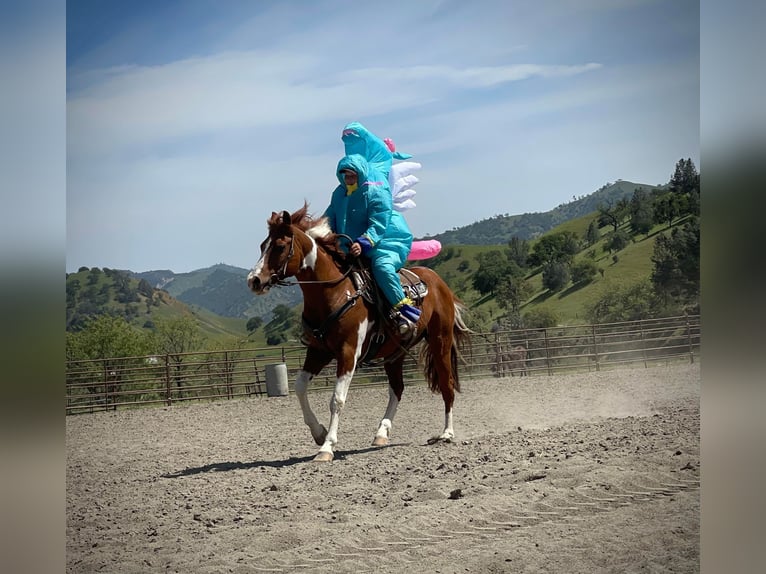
(441,353)
(395,389)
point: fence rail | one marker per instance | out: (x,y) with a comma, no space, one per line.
(126,382)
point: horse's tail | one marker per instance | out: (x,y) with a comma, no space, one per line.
(460,337)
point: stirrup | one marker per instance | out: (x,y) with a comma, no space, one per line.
(404,326)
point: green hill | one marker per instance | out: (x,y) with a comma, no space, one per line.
(499,229)
(457,264)
(91,292)
(221,289)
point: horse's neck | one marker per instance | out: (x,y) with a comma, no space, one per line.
(319,271)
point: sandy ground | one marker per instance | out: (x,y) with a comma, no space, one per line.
(594,472)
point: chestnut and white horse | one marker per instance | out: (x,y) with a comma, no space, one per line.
(341,324)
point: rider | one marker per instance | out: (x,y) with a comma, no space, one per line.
(362,207)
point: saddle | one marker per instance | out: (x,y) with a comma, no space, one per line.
(367,289)
(414,288)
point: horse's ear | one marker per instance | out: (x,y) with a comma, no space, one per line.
(286,218)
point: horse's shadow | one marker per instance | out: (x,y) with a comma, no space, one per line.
(238,465)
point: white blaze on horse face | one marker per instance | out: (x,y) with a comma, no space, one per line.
(258,269)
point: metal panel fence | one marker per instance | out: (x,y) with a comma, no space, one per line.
(127,382)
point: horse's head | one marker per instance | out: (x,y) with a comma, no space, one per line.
(289,248)
(277,252)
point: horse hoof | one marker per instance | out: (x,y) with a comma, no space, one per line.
(435,439)
(323,456)
(380,441)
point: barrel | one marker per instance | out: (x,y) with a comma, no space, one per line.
(276,380)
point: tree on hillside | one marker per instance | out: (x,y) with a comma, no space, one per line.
(493,266)
(512,291)
(555,247)
(73,287)
(616,241)
(592,235)
(676,263)
(93,276)
(174,337)
(641,211)
(540,318)
(583,271)
(555,275)
(631,303)
(613,215)
(177,336)
(145,288)
(105,337)
(254,323)
(685,179)
(669,207)
(518,251)
(282,322)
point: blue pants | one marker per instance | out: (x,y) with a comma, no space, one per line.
(385,265)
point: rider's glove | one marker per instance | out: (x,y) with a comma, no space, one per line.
(365,243)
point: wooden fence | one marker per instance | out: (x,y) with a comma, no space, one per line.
(127,382)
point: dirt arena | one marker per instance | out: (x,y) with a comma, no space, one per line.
(593,472)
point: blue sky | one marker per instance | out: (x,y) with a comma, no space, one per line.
(188,123)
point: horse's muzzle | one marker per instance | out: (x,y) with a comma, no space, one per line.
(256,285)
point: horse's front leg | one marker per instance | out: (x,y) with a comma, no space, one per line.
(346,366)
(395,389)
(301,385)
(315,361)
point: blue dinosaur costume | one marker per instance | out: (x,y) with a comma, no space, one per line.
(367,215)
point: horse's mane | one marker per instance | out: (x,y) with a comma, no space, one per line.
(318,229)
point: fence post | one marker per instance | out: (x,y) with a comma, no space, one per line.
(689,339)
(498,357)
(547,353)
(643,342)
(228,369)
(595,347)
(106,385)
(168,399)
(257,388)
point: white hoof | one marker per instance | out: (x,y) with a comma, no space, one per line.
(323,456)
(380,441)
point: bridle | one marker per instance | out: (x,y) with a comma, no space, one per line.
(279,277)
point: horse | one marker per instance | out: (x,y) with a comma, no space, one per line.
(342,322)
(515,360)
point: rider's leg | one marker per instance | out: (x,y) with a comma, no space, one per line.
(384,267)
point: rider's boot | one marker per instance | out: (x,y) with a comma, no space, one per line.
(406,316)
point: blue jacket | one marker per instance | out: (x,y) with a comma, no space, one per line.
(369,211)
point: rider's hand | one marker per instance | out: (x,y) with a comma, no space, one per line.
(356,249)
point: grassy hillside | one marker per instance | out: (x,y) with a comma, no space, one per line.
(500,229)
(221,289)
(94,291)
(457,263)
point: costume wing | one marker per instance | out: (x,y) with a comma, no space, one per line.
(402,181)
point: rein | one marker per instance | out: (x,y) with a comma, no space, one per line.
(279,278)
